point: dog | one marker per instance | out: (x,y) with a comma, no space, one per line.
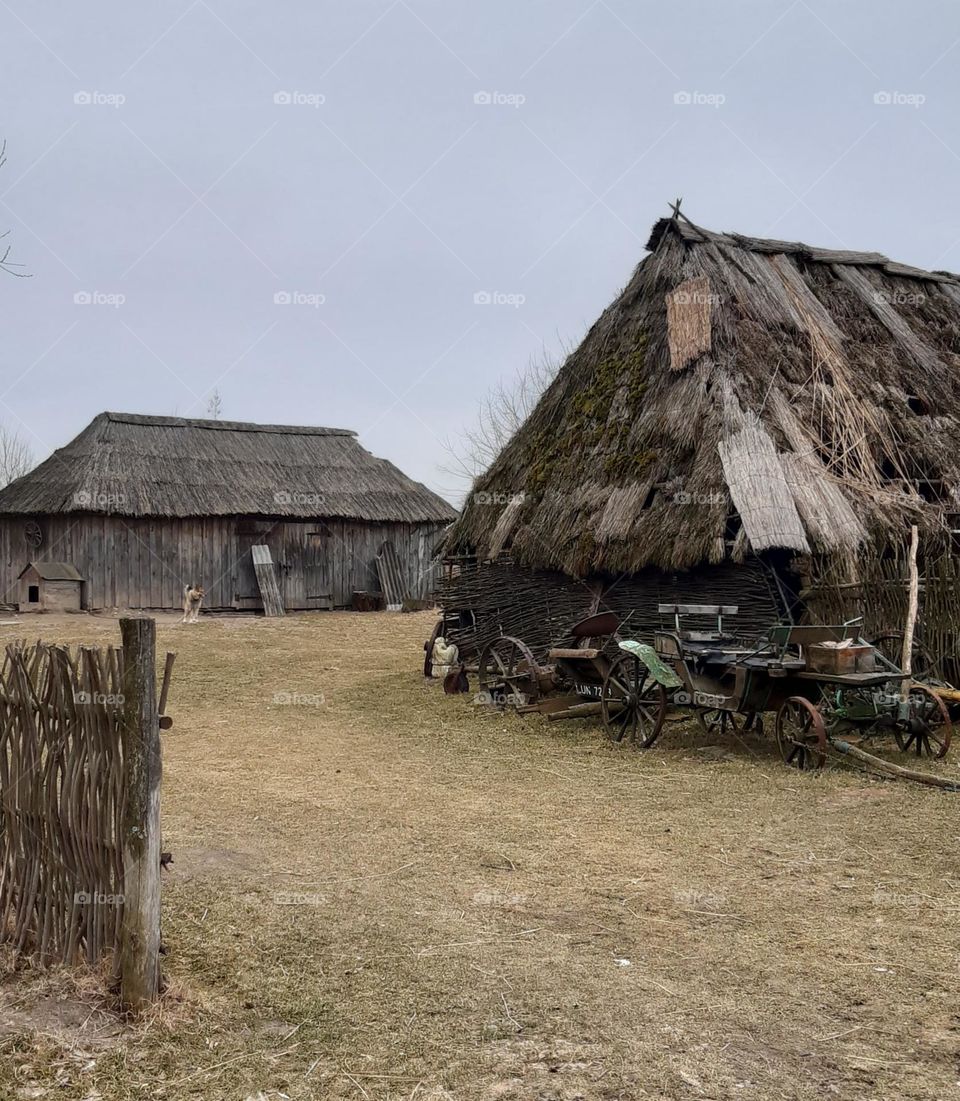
(192,599)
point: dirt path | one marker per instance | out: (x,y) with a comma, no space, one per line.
(380,892)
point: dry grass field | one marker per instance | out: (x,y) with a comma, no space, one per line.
(383,893)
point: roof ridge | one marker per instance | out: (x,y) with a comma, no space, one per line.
(690,232)
(224,426)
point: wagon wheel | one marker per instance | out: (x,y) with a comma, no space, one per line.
(508,673)
(801,737)
(891,646)
(714,721)
(928,730)
(633,705)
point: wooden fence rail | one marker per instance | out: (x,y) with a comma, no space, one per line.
(79,805)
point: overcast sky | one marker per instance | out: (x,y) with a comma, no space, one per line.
(366,213)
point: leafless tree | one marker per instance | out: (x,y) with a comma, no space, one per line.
(501,414)
(214,405)
(16,456)
(6,264)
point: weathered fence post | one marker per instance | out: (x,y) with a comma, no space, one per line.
(139,950)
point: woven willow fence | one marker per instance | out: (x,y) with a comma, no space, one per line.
(880,596)
(79,804)
(61,778)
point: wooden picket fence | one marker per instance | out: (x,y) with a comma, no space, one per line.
(79,805)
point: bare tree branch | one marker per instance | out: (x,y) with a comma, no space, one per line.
(16,456)
(502,412)
(6,264)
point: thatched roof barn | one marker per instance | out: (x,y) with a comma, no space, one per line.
(142,505)
(743,400)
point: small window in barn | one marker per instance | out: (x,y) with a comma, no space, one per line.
(917,405)
(33,594)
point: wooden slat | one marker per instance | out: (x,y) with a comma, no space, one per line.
(391,576)
(267,580)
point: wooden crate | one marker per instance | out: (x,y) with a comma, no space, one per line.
(837,660)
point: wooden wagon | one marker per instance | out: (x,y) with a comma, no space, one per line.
(819,680)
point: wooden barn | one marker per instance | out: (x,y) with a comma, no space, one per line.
(752,422)
(140,506)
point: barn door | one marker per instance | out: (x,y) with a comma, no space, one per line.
(318,567)
(247,590)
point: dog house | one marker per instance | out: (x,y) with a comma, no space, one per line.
(50,587)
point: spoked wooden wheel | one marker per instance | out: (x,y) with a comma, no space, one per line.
(928,731)
(508,673)
(633,705)
(800,734)
(891,646)
(714,721)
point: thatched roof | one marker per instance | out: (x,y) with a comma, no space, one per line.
(739,395)
(132,465)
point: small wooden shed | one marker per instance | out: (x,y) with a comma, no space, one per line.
(51,587)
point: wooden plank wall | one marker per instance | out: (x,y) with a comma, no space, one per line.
(145,563)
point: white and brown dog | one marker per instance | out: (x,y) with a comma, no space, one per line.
(192,599)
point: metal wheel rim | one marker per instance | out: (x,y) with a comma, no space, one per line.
(924,742)
(499,668)
(801,737)
(632,704)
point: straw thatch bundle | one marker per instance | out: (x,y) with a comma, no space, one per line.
(741,395)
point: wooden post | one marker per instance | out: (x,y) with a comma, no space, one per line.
(906,656)
(139,950)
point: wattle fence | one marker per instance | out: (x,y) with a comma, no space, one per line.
(79,805)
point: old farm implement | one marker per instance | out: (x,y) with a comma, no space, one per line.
(820,682)
(591,672)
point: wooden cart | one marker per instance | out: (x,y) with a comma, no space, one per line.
(727,683)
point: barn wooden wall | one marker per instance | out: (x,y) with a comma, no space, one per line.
(144,563)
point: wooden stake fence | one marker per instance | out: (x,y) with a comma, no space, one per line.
(138,955)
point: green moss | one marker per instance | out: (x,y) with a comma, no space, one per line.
(557,455)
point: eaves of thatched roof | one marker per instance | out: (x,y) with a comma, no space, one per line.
(133,465)
(740,395)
